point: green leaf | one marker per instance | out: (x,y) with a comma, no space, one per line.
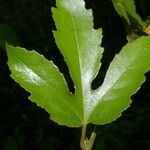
(80,45)
(47,86)
(127,10)
(123,79)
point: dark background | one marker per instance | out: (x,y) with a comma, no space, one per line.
(23,125)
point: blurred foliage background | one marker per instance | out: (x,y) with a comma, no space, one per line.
(23,125)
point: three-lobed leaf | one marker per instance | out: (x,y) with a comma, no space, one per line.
(80,45)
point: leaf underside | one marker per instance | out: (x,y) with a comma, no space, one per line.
(80,45)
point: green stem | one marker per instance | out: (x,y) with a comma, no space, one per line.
(83,137)
(91,140)
(85,143)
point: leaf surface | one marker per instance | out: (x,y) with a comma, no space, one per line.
(123,79)
(80,45)
(46,85)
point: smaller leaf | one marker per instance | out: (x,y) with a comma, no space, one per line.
(127,10)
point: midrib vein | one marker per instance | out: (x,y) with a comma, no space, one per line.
(77,46)
(79,61)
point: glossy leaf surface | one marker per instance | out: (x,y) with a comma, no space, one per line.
(47,86)
(123,79)
(80,45)
(126,9)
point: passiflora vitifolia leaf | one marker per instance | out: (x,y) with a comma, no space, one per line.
(80,45)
